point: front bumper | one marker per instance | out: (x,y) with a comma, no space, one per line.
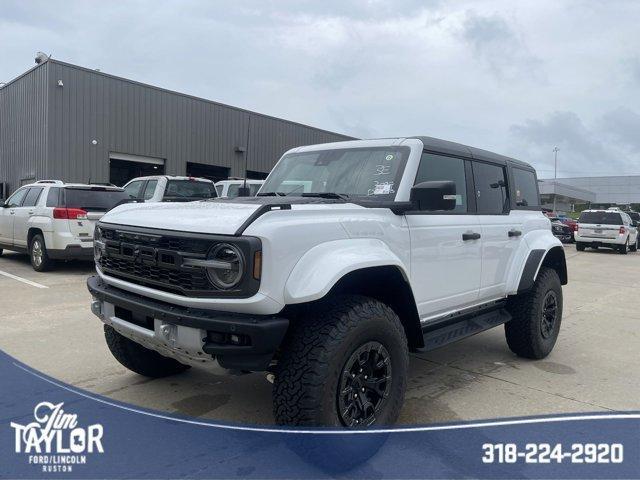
(187,334)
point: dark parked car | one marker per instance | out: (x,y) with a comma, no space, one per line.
(561,231)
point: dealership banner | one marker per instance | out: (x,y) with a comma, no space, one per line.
(49,429)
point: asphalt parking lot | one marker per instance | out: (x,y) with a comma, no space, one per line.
(45,322)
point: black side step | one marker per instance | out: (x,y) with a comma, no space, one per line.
(452,332)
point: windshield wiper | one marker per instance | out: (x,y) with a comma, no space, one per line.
(272,194)
(341,196)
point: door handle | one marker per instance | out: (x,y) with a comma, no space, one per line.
(12,212)
(514,233)
(30,212)
(470,236)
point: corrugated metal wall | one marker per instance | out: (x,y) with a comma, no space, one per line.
(23,128)
(128,117)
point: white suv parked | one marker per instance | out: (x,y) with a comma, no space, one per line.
(52,220)
(231,188)
(384,246)
(166,188)
(606,228)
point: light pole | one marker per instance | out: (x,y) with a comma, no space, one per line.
(555,176)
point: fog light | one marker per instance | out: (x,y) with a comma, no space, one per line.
(96,308)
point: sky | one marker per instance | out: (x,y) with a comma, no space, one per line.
(515,77)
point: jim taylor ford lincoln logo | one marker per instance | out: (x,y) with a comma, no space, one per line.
(55,441)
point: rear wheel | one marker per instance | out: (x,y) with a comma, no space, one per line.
(537,314)
(634,246)
(344,365)
(139,359)
(624,249)
(40,260)
(0,252)
(580,246)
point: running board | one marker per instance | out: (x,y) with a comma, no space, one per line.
(440,336)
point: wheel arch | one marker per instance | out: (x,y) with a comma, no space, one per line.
(553,258)
(32,232)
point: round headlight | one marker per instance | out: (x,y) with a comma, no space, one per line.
(227,266)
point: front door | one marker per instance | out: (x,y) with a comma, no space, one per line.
(445,253)
(22,215)
(7,215)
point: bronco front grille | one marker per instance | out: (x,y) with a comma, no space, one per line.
(154,258)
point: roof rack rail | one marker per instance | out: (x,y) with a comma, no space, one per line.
(55,182)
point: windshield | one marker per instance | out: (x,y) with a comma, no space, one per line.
(95,199)
(356,172)
(191,189)
(601,218)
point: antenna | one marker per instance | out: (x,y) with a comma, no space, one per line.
(244,191)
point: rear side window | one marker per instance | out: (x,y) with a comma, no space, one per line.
(94,199)
(190,189)
(32,197)
(525,188)
(491,188)
(601,218)
(53,198)
(150,189)
(437,168)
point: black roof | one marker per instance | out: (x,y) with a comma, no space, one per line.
(457,149)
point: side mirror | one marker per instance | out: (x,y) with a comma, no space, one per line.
(435,195)
(4,204)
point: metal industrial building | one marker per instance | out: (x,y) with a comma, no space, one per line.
(62,121)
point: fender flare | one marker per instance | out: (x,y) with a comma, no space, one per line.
(536,259)
(324,265)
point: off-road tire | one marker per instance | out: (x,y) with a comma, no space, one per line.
(38,255)
(139,359)
(524,331)
(580,246)
(314,356)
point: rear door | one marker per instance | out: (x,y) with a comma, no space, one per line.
(496,223)
(445,246)
(86,205)
(23,214)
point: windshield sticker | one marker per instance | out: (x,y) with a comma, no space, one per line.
(382,188)
(383,170)
(388,158)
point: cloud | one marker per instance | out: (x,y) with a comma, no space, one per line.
(609,146)
(494,42)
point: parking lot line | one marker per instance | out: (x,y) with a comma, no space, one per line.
(23,280)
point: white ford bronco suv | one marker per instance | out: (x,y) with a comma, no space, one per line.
(384,247)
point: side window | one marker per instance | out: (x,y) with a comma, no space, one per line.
(32,197)
(525,188)
(53,198)
(133,189)
(15,200)
(438,167)
(491,188)
(150,189)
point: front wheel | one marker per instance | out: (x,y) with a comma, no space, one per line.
(342,365)
(40,260)
(536,316)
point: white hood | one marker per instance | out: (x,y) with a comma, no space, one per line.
(198,217)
